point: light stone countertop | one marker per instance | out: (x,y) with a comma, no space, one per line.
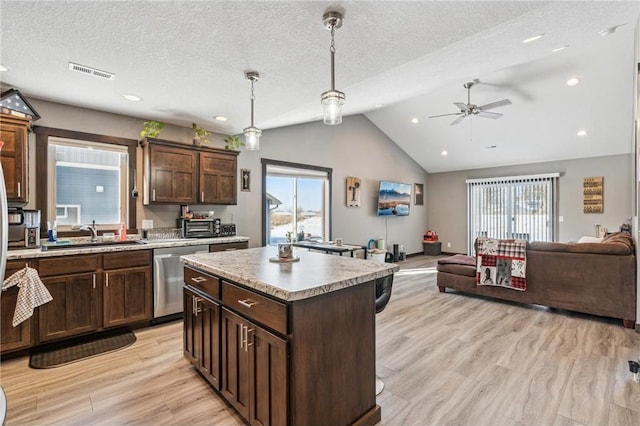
(314,274)
(147,245)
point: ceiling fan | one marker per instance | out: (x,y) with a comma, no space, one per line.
(469,108)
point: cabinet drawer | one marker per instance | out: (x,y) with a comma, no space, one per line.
(255,307)
(127,259)
(206,283)
(228,246)
(66,265)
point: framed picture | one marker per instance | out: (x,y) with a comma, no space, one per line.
(245,180)
(418,191)
(353,191)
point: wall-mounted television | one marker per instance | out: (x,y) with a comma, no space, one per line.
(394,198)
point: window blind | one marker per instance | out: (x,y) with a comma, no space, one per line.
(519,207)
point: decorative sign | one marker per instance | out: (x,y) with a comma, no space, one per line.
(353,191)
(418,191)
(593,195)
(245,180)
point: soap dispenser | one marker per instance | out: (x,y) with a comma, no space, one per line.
(123,232)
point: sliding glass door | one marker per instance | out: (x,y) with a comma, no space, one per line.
(519,207)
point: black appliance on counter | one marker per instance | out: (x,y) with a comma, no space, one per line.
(206,228)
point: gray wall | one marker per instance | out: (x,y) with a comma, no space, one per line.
(354,148)
(447,192)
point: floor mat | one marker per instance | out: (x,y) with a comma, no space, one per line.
(77,352)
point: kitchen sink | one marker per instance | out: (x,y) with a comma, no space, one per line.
(90,244)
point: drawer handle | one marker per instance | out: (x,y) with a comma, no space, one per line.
(247,302)
(198,279)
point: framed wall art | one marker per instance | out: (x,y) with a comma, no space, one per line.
(418,191)
(245,180)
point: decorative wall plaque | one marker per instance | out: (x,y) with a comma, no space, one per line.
(593,195)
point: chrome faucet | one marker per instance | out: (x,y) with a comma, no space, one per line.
(93,229)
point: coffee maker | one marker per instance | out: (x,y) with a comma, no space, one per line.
(24,228)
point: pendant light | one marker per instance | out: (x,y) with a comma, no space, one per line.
(252,133)
(332,100)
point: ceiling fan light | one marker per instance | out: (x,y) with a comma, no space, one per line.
(573,81)
(332,101)
(252,138)
(582,133)
(415,120)
(444,153)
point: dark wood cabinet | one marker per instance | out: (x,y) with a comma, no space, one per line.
(18,337)
(254,370)
(73,309)
(14,157)
(202,335)
(218,178)
(170,174)
(127,288)
(180,174)
(228,246)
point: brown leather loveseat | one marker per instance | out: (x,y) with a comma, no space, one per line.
(593,278)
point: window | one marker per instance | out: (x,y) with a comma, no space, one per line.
(87,182)
(296,200)
(520,207)
(83,177)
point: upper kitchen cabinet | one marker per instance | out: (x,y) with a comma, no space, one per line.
(14,157)
(179,174)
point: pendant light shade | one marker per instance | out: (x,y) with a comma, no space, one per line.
(332,100)
(252,134)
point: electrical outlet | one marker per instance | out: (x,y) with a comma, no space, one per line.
(448,245)
(561,219)
(147,224)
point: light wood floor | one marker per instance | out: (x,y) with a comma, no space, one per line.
(445,359)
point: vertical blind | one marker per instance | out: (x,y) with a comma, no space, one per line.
(520,207)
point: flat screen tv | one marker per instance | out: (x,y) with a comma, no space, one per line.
(394,198)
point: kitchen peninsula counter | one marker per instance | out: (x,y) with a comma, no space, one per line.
(285,343)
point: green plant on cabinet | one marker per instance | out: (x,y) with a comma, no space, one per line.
(232,142)
(199,134)
(151,129)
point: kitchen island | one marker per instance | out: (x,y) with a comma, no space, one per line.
(285,343)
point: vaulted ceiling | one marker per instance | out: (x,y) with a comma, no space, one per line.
(186,59)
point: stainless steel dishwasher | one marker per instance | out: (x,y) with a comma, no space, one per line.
(168,278)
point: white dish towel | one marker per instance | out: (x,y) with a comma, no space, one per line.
(32,293)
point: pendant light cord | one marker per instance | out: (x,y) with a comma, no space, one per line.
(332,49)
(252,97)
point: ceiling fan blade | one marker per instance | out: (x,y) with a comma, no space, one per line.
(463,107)
(496,104)
(444,115)
(487,114)
(457,120)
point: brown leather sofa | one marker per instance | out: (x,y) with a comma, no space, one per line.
(593,278)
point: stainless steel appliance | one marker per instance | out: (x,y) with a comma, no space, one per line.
(168,278)
(200,228)
(24,228)
(227,230)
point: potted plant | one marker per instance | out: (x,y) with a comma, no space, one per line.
(199,134)
(232,142)
(151,129)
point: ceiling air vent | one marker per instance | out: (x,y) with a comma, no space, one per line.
(91,71)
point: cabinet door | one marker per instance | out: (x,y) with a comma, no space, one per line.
(218,184)
(189,346)
(73,308)
(208,319)
(269,377)
(235,362)
(12,338)
(126,296)
(13,156)
(172,174)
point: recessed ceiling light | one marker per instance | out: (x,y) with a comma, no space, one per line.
(379,105)
(3,68)
(534,38)
(444,153)
(414,120)
(133,98)
(581,133)
(220,118)
(558,49)
(573,81)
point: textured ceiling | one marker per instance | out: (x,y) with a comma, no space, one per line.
(187,59)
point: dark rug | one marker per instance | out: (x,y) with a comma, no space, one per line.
(77,352)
